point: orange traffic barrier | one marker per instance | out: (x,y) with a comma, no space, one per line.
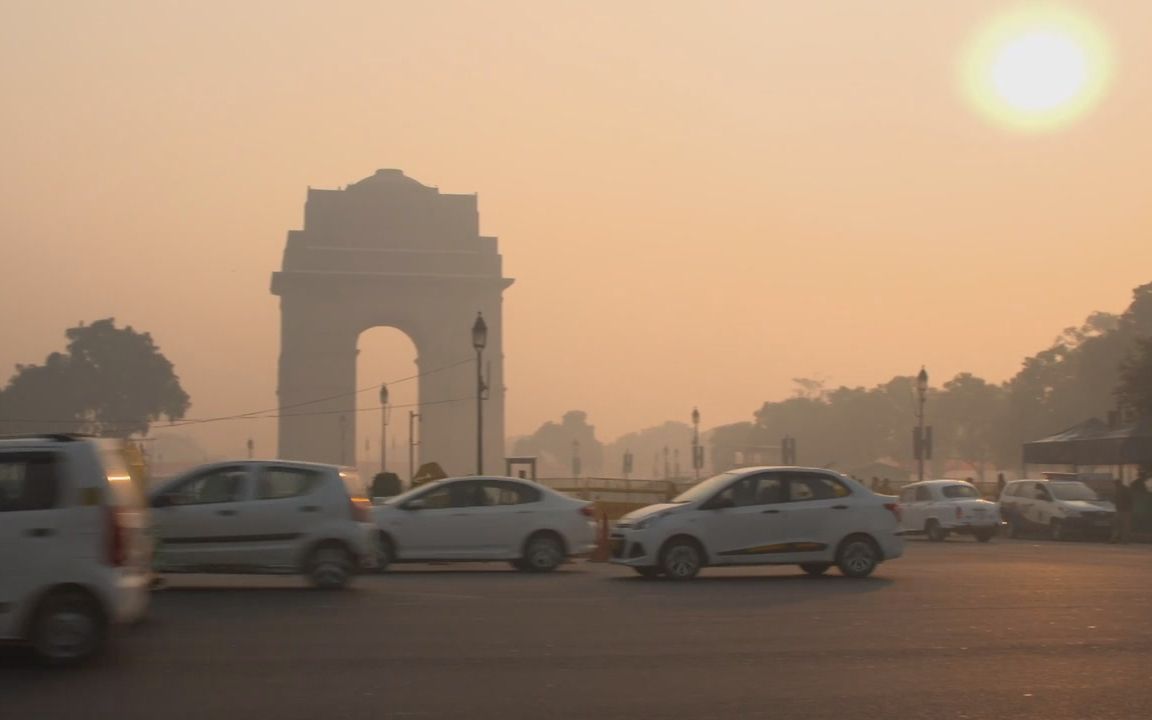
(603,551)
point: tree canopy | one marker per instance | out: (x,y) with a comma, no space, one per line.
(109,381)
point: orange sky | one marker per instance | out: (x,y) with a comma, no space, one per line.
(699,201)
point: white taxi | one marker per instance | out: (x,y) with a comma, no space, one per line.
(809,517)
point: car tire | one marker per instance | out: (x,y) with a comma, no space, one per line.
(385,552)
(330,567)
(935,532)
(858,556)
(67,628)
(543,552)
(648,573)
(681,559)
(1056,530)
(815,569)
(984,535)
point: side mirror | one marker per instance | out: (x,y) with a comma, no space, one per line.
(417,504)
(719,503)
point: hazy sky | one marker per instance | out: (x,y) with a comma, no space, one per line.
(699,200)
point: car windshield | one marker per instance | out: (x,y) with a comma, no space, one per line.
(705,488)
(1072,491)
(960,491)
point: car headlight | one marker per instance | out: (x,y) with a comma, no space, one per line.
(644,523)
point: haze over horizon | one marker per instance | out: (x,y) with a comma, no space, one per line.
(698,204)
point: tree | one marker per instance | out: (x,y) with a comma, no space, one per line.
(1134,391)
(968,420)
(110,381)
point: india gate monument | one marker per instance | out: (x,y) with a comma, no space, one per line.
(389,251)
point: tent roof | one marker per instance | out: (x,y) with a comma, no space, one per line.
(1093,442)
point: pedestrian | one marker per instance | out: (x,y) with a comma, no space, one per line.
(1000,483)
(1122,520)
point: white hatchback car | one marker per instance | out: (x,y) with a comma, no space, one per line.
(265,516)
(937,508)
(1058,508)
(74,544)
(485,518)
(809,517)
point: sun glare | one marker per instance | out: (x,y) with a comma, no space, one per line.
(1039,67)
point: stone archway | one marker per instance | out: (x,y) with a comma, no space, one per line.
(389,251)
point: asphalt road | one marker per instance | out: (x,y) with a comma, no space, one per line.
(1058,631)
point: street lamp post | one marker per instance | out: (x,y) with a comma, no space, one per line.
(384,411)
(920,444)
(251,448)
(479,340)
(697,456)
(413,416)
(344,440)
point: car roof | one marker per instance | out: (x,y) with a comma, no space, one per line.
(800,468)
(943,481)
(45,440)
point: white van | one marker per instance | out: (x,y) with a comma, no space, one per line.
(1056,508)
(74,545)
(267,516)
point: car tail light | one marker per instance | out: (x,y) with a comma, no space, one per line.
(587,511)
(117,538)
(359,507)
(893,508)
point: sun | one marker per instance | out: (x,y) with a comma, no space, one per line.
(1039,67)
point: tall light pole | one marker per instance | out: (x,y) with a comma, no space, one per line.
(344,440)
(384,410)
(413,416)
(479,340)
(251,448)
(697,456)
(920,444)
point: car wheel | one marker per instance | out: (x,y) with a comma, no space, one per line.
(935,532)
(857,557)
(542,553)
(1056,529)
(330,567)
(681,559)
(815,569)
(984,535)
(385,552)
(67,628)
(648,572)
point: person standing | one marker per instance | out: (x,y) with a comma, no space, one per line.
(1122,522)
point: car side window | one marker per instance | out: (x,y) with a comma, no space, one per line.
(507,493)
(924,494)
(908,495)
(220,485)
(813,486)
(455,495)
(763,489)
(29,481)
(285,482)
(1041,493)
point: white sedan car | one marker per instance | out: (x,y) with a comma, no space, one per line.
(937,508)
(484,518)
(762,516)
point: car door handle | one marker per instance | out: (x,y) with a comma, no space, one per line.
(769,512)
(309,508)
(225,512)
(839,507)
(40,532)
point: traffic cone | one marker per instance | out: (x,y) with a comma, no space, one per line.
(603,551)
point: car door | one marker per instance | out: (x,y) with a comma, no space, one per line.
(926,505)
(440,524)
(745,522)
(911,514)
(36,540)
(199,521)
(820,513)
(285,504)
(510,512)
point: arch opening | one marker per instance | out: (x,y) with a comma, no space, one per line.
(386,355)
